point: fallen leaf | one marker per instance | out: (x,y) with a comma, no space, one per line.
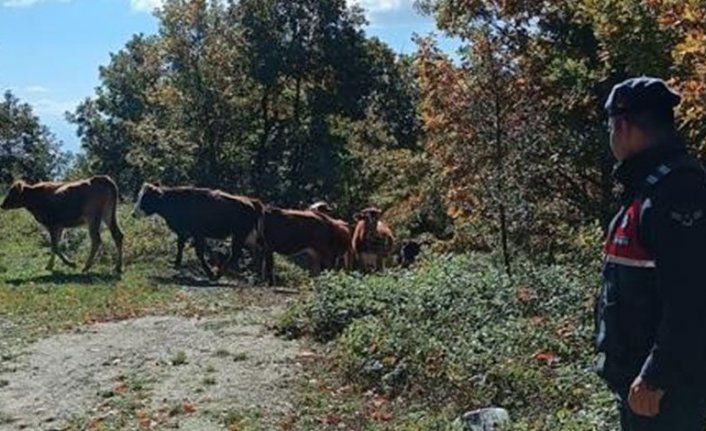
(548,357)
(524,294)
(188,407)
(381,415)
(330,419)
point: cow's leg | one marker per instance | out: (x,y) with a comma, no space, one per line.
(200,245)
(328,261)
(268,264)
(354,258)
(181,242)
(94,232)
(343,262)
(236,249)
(55,235)
(316,261)
(117,235)
(369,262)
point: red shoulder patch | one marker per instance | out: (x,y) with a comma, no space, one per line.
(622,244)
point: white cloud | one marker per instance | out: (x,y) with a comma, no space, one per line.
(146,5)
(27,3)
(374,6)
(53,107)
(19,3)
(36,89)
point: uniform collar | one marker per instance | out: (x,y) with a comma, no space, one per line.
(633,171)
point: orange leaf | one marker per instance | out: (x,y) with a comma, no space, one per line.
(547,357)
(379,401)
(381,416)
(143,419)
(538,320)
(188,407)
(330,419)
(389,361)
(524,294)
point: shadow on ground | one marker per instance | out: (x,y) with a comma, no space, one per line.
(188,279)
(62,278)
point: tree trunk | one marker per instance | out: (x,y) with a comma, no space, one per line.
(261,152)
(500,155)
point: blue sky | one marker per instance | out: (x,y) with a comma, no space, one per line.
(50,50)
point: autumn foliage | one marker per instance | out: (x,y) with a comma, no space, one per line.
(500,146)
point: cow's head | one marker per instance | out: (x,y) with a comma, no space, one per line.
(370,216)
(147,200)
(322,207)
(15,196)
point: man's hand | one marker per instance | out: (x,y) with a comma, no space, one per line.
(643,400)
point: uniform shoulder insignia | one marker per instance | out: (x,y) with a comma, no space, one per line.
(687,218)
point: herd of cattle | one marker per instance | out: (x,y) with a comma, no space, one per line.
(199,214)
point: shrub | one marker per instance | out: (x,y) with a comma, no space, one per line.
(458,332)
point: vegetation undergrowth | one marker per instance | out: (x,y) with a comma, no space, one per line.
(35,302)
(457,333)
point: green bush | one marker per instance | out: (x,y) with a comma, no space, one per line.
(458,332)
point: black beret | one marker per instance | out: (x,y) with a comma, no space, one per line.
(642,94)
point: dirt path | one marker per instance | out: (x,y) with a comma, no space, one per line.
(159,371)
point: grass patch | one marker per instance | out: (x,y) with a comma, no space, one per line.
(6,419)
(179,359)
(221,353)
(35,302)
(209,381)
(39,302)
(239,357)
(242,420)
(128,403)
(458,334)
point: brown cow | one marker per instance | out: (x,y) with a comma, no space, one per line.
(61,205)
(372,240)
(200,213)
(291,232)
(343,235)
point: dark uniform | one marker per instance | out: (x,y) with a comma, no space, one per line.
(651,311)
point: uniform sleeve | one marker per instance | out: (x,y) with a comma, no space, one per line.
(678,233)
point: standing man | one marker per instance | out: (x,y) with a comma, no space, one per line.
(651,312)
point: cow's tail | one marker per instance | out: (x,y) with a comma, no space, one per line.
(260,224)
(110,211)
(261,249)
(110,214)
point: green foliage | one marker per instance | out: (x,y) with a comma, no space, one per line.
(458,333)
(27,149)
(246,97)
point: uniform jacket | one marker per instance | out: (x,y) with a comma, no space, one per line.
(651,310)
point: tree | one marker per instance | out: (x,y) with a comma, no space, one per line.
(250,96)
(27,149)
(570,54)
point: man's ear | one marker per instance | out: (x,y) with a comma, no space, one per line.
(358,216)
